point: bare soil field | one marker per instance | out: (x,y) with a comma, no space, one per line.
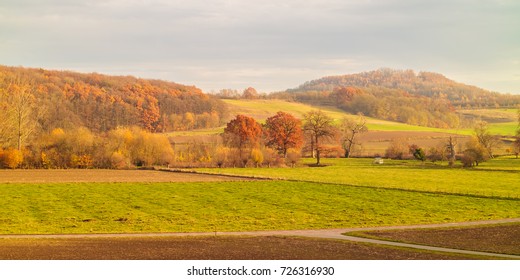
(103,175)
(376,142)
(504,239)
(205,248)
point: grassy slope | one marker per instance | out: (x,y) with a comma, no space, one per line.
(228,206)
(487,180)
(262,109)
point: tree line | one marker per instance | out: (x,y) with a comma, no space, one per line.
(244,142)
(281,141)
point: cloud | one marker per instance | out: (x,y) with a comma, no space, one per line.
(253,42)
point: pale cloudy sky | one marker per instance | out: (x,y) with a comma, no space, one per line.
(268,44)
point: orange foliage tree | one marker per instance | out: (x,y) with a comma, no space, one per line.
(242,132)
(283,131)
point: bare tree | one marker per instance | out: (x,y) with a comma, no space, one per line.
(450,149)
(319,126)
(20,114)
(349,130)
(485,138)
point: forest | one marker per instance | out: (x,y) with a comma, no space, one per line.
(63,99)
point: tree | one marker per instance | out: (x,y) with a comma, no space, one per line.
(250,93)
(283,131)
(319,126)
(349,130)
(242,132)
(450,150)
(485,139)
(19,121)
(474,153)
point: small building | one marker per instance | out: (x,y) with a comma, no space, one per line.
(378,160)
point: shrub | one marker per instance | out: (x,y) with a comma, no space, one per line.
(11,158)
(293,156)
(257,157)
(396,150)
(119,161)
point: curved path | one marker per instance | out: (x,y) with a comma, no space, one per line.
(319,233)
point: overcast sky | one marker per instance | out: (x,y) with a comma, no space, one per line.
(268,44)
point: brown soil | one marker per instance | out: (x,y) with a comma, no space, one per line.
(103,175)
(204,248)
(503,239)
(378,141)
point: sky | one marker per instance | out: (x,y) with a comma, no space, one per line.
(271,45)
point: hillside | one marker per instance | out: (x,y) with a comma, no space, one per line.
(423,83)
(426,99)
(64,99)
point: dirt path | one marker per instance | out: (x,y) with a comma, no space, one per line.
(320,233)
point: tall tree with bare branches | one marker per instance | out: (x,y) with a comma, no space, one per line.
(19,121)
(350,129)
(319,125)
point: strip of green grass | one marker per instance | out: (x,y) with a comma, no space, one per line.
(228,206)
(410,175)
(506,163)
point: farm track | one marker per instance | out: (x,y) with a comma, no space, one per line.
(332,234)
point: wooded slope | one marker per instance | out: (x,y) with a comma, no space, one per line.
(64,99)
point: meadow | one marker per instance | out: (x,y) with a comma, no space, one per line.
(496,178)
(228,206)
(346,193)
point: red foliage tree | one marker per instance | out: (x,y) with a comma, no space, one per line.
(242,131)
(283,131)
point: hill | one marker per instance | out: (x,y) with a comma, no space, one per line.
(64,99)
(426,99)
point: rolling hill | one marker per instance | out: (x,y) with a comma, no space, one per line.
(425,99)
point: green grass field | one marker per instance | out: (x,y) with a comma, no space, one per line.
(228,206)
(407,175)
(345,193)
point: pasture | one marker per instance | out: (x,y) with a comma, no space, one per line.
(347,193)
(496,178)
